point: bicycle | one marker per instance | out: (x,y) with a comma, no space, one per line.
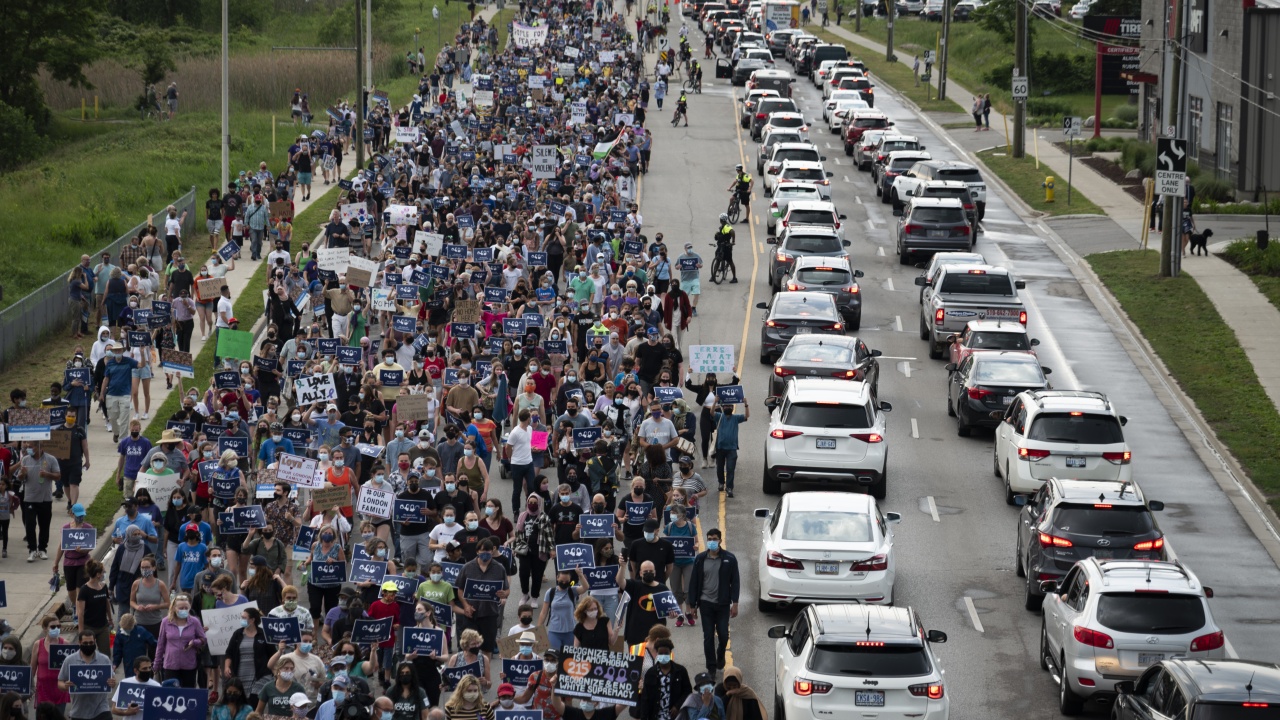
(735,208)
(693,85)
(680,112)
(720,265)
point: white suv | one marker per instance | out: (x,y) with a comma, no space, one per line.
(846,661)
(1060,433)
(827,430)
(1110,620)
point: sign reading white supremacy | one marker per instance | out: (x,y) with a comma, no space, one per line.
(603,676)
(315,388)
(158,485)
(528,35)
(545,160)
(406,134)
(711,358)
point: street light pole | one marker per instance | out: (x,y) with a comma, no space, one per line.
(368,44)
(226,120)
(1020,70)
(892,10)
(359,103)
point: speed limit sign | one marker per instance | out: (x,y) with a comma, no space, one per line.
(1019,91)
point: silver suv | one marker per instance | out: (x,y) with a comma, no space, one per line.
(1110,620)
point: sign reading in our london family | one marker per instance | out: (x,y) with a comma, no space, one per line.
(711,358)
(299,470)
(375,502)
(601,675)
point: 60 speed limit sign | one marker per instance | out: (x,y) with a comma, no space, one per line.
(1019,90)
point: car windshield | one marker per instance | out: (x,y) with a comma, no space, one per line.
(819,354)
(999,341)
(803,154)
(828,415)
(1000,371)
(937,215)
(871,123)
(827,526)
(826,277)
(1234,711)
(965,175)
(1117,521)
(773,105)
(971,283)
(1084,429)
(900,164)
(859,661)
(897,145)
(811,217)
(804,174)
(777,137)
(813,244)
(1146,613)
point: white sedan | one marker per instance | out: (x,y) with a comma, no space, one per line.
(826,547)
(829,105)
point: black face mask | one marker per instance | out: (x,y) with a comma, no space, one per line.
(647,576)
(88,648)
(526,619)
(598,508)
(145,675)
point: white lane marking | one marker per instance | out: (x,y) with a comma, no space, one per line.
(827,144)
(973,613)
(857,199)
(915,433)
(1231,651)
(897,323)
(895,357)
(871,227)
(889,282)
(846,179)
(933,510)
(880,250)
(904,367)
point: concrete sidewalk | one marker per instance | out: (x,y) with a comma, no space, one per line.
(1247,311)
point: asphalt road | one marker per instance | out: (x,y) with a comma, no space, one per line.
(955,544)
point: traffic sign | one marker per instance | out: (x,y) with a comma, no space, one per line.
(1171,166)
(930,57)
(1071,125)
(1019,87)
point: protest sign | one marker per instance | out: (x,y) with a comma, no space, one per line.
(178,362)
(546,158)
(413,407)
(482,590)
(160,486)
(360,271)
(585,438)
(79,538)
(368,571)
(730,394)
(311,389)
(173,703)
(637,512)
(302,543)
(574,555)
(604,577)
(227,525)
(352,211)
(297,470)
(333,573)
(347,355)
(281,630)
(375,502)
(58,654)
(449,676)
(327,347)
(406,134)
(664,603)
(333,259)
(424,641)
(235,344)
(233,442)
(467,311)
(601,675)
(249,516)
(15,679)
(684,547)
(339,496)
(59,444)
(596,526)
(517,672)
(29,424)
(90,678)
(365,631)
(711,358)
(414,511)
(210,288)
(221,623)
(444,614)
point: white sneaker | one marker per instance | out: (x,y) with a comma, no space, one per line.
(533,603)
(31,556)
(524,599)
(146,415)
(203,338)
(44,555)
(108,427)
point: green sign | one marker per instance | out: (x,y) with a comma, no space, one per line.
(236,344)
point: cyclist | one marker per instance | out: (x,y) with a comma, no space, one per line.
(725,239)
(696,74)
(682,109)
(741,186)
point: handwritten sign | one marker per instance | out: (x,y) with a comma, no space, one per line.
(311,389)
(160,486)
(601,675)
(375,502)
(711,358)
(297,470)
(331,497)
(221,623)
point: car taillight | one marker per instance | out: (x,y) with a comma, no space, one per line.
(776,324)
(1212,641)
(759,116)
(845,374)
(868,437)
(1118,458)
(976,393)
(1047,540)
(852,289)
(872,564)
(961,229)
(933,691)
(1092,638)
(786,223)
(824,182)
(1254,705)
(792,286)
(837,225)
(939,315)
(773,205)
(781,434)
(833,326)
(1022,317)
(805,688)
(880,158)
(1150,545)
(910,229)
(783,372)
(783,257)
(969,206)
(1032,454)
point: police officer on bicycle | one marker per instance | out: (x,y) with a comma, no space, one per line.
(741,186)
(725,238)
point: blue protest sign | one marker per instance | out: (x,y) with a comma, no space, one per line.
(537,259)
(70,375)
(688,263)
(230,442)
(186,430)
(327,347)
(482,590)
(404,324)
(596,526)
(333,573)
(479,277)
(495,294)
(465,331)
(617,216)
(730,394)
(449,676)
(466,222)
(424,641)
(439,272)
(359,553)
(298,436)
(367,571)
(15,679)
(277,630)
(420,277)
(132,693)
(249,516)
(601,578)
(517,672)
(556,347)
(405,587)
(442,612)
(89,678)
(174,703)
(632,247)
(228,250)
(262,363)
(406,291)
(573,555)
(213,432)
(293,368)
(350,355)
(450,572)
(684,546)
(79,538)
(556,208)
(391,378)
(664,603)
(223,483)
(365,631)
(585,438)
(637,512)
(667,395)
(58,654)
(450,376)
(226,380)
(513,326)
(227,525)
(455,252)
(493,344)
(482,254)
(306,536)
(414,511)
(401,252)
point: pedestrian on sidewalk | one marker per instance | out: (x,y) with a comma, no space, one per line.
(976,111)
(915,69)
(986,111)
(39,471)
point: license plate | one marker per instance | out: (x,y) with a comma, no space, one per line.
(1076,462)
(1006,399)
(828,568)
(803,330)
(1104,554)
(938,233)
(868,698)
(826,443)
(1145,659)
(1002,313)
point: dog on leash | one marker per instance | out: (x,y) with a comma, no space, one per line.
(1200,241)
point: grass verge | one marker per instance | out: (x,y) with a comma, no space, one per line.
(1026,181)
(1204,357)
(1262,266)
(894,74)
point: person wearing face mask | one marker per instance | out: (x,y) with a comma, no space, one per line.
(557,614)
(180,639)
(641,611)
(276,698)
(703,703)
(726,424)
(39,472)
(654,549)
(190,559)
(45,676)
(389,375)
(131,704)
(521,463)
(116,389)
(409,699)
(328,710)
(635,509)
(86,705)
(714,591)
(273,446)
(327,549)
(666,685)
(482,615)
(73,561)
(247,657)
(467,702)
(677,525)
(148,596)
(415,534)
(235,703)
(539,694)
(533,544)
(471,535)
(469,652)
(308,669)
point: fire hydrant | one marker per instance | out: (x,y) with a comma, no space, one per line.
(1048,189)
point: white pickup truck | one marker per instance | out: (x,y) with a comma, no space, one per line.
(961,293)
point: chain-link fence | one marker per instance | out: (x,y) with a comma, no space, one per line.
(49,309)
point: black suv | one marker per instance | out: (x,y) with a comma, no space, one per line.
(1069,520)
(765,108)
(1201,690)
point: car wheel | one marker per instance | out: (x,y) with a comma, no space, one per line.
(1009,494)
(885,198)
(848,149)
(771,486)
(995,460)
(765,606)
(935,350)
(1069,703)
(856,323)
(962,428)
(1031,597)
(1044,647)
(924,329)
(878,190)
(904,258)
(765,360)
(879,489)
(779,712)
(951,410)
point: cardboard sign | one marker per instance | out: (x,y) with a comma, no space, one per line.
(360,275)
(376,503)
(221,623)
(366,631)
(467,311)
(413,407)
(281,630)
(210,288)
(570,556)
(59,444)
(424,641)
(79,538)
(297,470)
(339,496)
(603,676)
(596,526)
(368,571)
(711,358)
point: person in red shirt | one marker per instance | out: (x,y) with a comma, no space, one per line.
(386,607)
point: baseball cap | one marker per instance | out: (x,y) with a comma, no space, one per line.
(703,679)
(191,526)
(331,408)
(551,653)
(299,699)
(341,680)
(390,586)
(653,330)
(259,560)
(129,501)
(650,525)
(506,689)
(77,510)
(686,459)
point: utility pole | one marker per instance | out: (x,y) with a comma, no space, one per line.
(857,15)
(1020,70)
(946,51)
(368,44)
(226,105)
(892,10)
(1171,232)
(359,103)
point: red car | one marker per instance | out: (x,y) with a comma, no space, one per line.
(982,335)
(860,122)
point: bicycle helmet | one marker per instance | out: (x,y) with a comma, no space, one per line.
(724,217)
(738,167)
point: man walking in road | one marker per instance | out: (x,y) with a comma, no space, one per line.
(714,591)
(117,387)
(39,471)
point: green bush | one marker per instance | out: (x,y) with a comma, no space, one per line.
(1140,155)
(18,138)
(1209,187)
(1245,255)
(1054,73)
(1127,113)
(1048,107)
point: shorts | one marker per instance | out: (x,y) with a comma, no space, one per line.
(304,178)
(73,476)
(75,576)
(214,227)
(208,305)
(142,373)
(692,287)
(173,105)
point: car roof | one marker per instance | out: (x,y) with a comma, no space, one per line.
(1004,356)
(950,184)
(810,230)
(999,326)
(934,201)
(1128,575)
(812,205)
(967,267)
(773,73)
(958,258)
(1220,680)
(1084,400)
(870,114)
(786,115)
(1113,492)
(950,164)
(827,389)
(771,131)
(895,136)
(795,145)
(909,155)
(796,186)
(804,262)
(819,301)
(827,500)
(779,99)
(851,622)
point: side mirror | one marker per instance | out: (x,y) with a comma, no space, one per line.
(1048,586)
(1125,687)
(1155,505)
(771,240)
(936,636)
(778,631)
(762,306)
(846,243)
(893,517)
(898,211)
(876,353)
(951,367)
(1035,342)
(910,193)
(921,147)
(762,512)
(830,174)
(952,338)
(886,407)
(892,123)
(921,281)
(1047,371)
(1019,500)
(1208,592)
(858,273)
(1124,420)
(1020,284)
(842,217)
(823,158)
(771,403)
